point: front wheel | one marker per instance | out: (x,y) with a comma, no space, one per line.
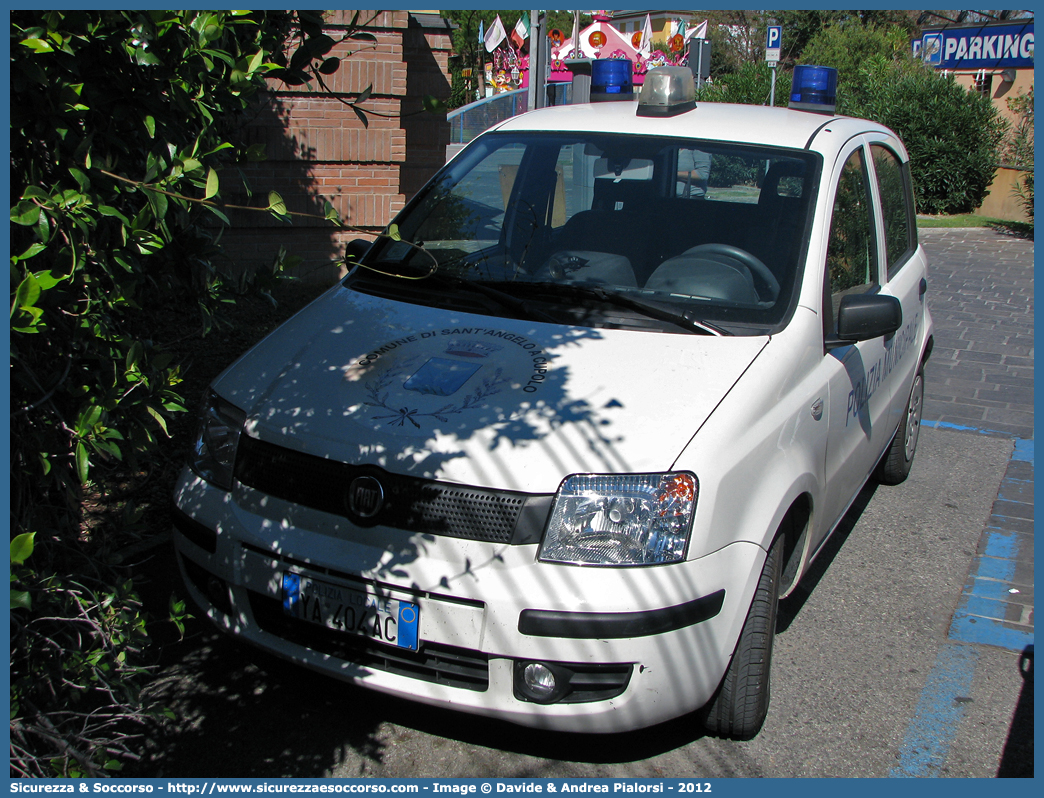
(738,709)
(895,465)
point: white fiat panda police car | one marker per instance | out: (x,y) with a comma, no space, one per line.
(559,442)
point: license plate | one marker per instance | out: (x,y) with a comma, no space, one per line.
(346,610)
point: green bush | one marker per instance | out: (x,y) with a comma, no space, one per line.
(1018,149)
(953,135)
(124,130)
(751,84)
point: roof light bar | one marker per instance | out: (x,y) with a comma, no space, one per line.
(611,80)
(814,88)
(667,91)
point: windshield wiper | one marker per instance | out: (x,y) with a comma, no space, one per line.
(508,301)
(520,307)
(623,301)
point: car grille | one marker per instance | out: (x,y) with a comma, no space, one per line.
(455,667)
(410,504)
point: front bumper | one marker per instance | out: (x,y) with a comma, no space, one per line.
(643,644)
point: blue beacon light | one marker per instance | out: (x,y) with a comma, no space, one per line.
(814,88)
(611,79)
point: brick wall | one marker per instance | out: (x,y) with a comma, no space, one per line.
(318,150)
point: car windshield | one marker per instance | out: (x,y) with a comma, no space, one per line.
(711,231)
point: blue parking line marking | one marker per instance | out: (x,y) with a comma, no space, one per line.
(993,568)
(1023,450)
(1000,543)
(981,618)
(988,632)
(990,589)
(965,428)
(938,713)
(981,607)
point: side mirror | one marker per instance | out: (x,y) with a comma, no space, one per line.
(354,251)
(861,317)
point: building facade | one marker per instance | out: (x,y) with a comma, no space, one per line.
(319,150)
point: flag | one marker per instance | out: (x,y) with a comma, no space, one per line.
(646,47)
(521,31)
(699,32)
(482,35)
(495,35)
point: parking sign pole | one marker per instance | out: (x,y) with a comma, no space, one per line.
(773,42)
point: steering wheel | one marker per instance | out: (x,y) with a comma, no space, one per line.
(753,264)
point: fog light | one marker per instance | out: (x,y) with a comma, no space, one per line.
(217,592)
(539,680)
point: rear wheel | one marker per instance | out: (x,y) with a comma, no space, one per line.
(738,709)
(895,465)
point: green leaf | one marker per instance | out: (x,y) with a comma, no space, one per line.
(80,178)
(319,45)
(110,448)
(20,600)
(146,57)
(37,45)
(212,183)
(218,214)
(276,204)
(22,547)
(27,294)
(43,227)
(83,463)
(159,419)
(88,418)
(364,95)
(113,764)
(134,355)
(393,232)
(331,213)
(147,243)
(49,279)
(158,201)
(150,126)
(330,65)
(108,210)
(433,105)
(34,249)
(256,61)
(25,213)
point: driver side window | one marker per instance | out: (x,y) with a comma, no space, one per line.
(852,250)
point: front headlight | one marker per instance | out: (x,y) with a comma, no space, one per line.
(632,519)
(214,453)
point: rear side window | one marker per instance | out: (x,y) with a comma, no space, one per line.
(896,207)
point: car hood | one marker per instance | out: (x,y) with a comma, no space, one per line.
(479,400)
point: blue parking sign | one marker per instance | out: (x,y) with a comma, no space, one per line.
(774,37)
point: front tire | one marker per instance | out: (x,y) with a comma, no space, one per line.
(739,708)
(895,465)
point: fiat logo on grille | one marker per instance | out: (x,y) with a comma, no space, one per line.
(365,497)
